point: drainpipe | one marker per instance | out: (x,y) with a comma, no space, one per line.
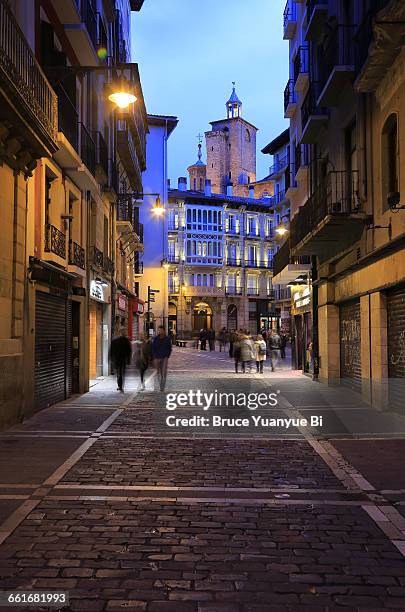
(315,334)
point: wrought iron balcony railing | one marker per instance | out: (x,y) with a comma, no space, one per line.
(234,261)
(251,263)
(108,266)
(338,195)
(283,258)
(252,291)
(102,152)
(89,17)
(282,293)
(301,157)
(290,97)
(77,255)
(230,290)
(301,62)
(87,149)
(138,267)
(174,259)
(310,105)
(98,257)
(22,76)
(338,51)
(365,33)
(279,166)
(290,13)
(55,241)
(68,117)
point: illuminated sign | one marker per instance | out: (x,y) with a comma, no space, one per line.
(99,292)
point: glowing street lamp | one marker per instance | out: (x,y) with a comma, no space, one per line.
(281,230)
(158,209)
(122,98)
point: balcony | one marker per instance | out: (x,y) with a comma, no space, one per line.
(378,41)
(317,11)
(128,154)
(313,116)
(68,117)
(230,290)
(278,167)
(234,262)
(138,268)
(278,200)
(252,291)
(290,20)
(301,164)
(87,149)
(282,293)
(204,260)
(203,290)
(331,220)
(173,259)
(301,68)
(108,266)
(251,263)
(101,156)
(55,241)
(28,104)
(80,22)
(290,100)
(336,66)
(77,255)
(287,267)
(252,234)
(97,258)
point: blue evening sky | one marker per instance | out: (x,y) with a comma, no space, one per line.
(190,51)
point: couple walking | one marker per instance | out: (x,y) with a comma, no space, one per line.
(146,352)
(245,350)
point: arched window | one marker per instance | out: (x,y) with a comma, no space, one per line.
(389,159)
(247,135)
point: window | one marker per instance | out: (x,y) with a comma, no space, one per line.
(390,162)
(247,135)
(194,184)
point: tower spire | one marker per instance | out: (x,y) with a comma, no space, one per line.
(233,105)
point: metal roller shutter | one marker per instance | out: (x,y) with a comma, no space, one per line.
(350,341)
(69,357)
(50,349)
(396,347)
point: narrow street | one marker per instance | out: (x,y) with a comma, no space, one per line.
(100,498)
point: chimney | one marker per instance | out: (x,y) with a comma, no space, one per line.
(229,189)
(207,189)
(168,183)
(182,184)
(251,192)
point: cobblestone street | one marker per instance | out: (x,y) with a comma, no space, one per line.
(98,497)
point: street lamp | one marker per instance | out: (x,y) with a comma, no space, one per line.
(281,230)
(158,209)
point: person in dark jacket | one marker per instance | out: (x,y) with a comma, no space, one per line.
(203,339)
(143,357)
(211,339)
(161,351)
(120,355)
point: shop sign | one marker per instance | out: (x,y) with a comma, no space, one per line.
(140,308)
(98,291)
(122,302)
(285,314)
(302,298)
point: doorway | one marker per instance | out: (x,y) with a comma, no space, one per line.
(202,317)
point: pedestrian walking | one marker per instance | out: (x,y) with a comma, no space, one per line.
(236,351)
(203,339)
(283,344)
(260,353)
(120,357)
(211,339)
(247,352)
(161,351)
(222,336)
(232,339)
(143,357)
(274,345)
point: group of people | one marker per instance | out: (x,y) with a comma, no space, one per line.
(207,335)
(147,351)
(245,350)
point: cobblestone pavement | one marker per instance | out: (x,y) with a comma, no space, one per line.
(99,497)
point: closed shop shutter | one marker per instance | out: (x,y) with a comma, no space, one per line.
(350,341)
(396,347)
(69,358)
(50,349)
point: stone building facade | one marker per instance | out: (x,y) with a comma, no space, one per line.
(220,252)
(66,254)
(231,151)
(348,211)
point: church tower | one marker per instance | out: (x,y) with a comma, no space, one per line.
(197,173)
(231,151)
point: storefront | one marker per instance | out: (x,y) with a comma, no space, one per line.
(302,332)
(396,347)
(350,341)
(100,327)
(136,309)
(121,312)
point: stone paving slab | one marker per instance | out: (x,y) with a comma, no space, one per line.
(200,462)
(31,460)
(61,418)
(196,555)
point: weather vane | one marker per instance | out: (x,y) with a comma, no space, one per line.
(199,136)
